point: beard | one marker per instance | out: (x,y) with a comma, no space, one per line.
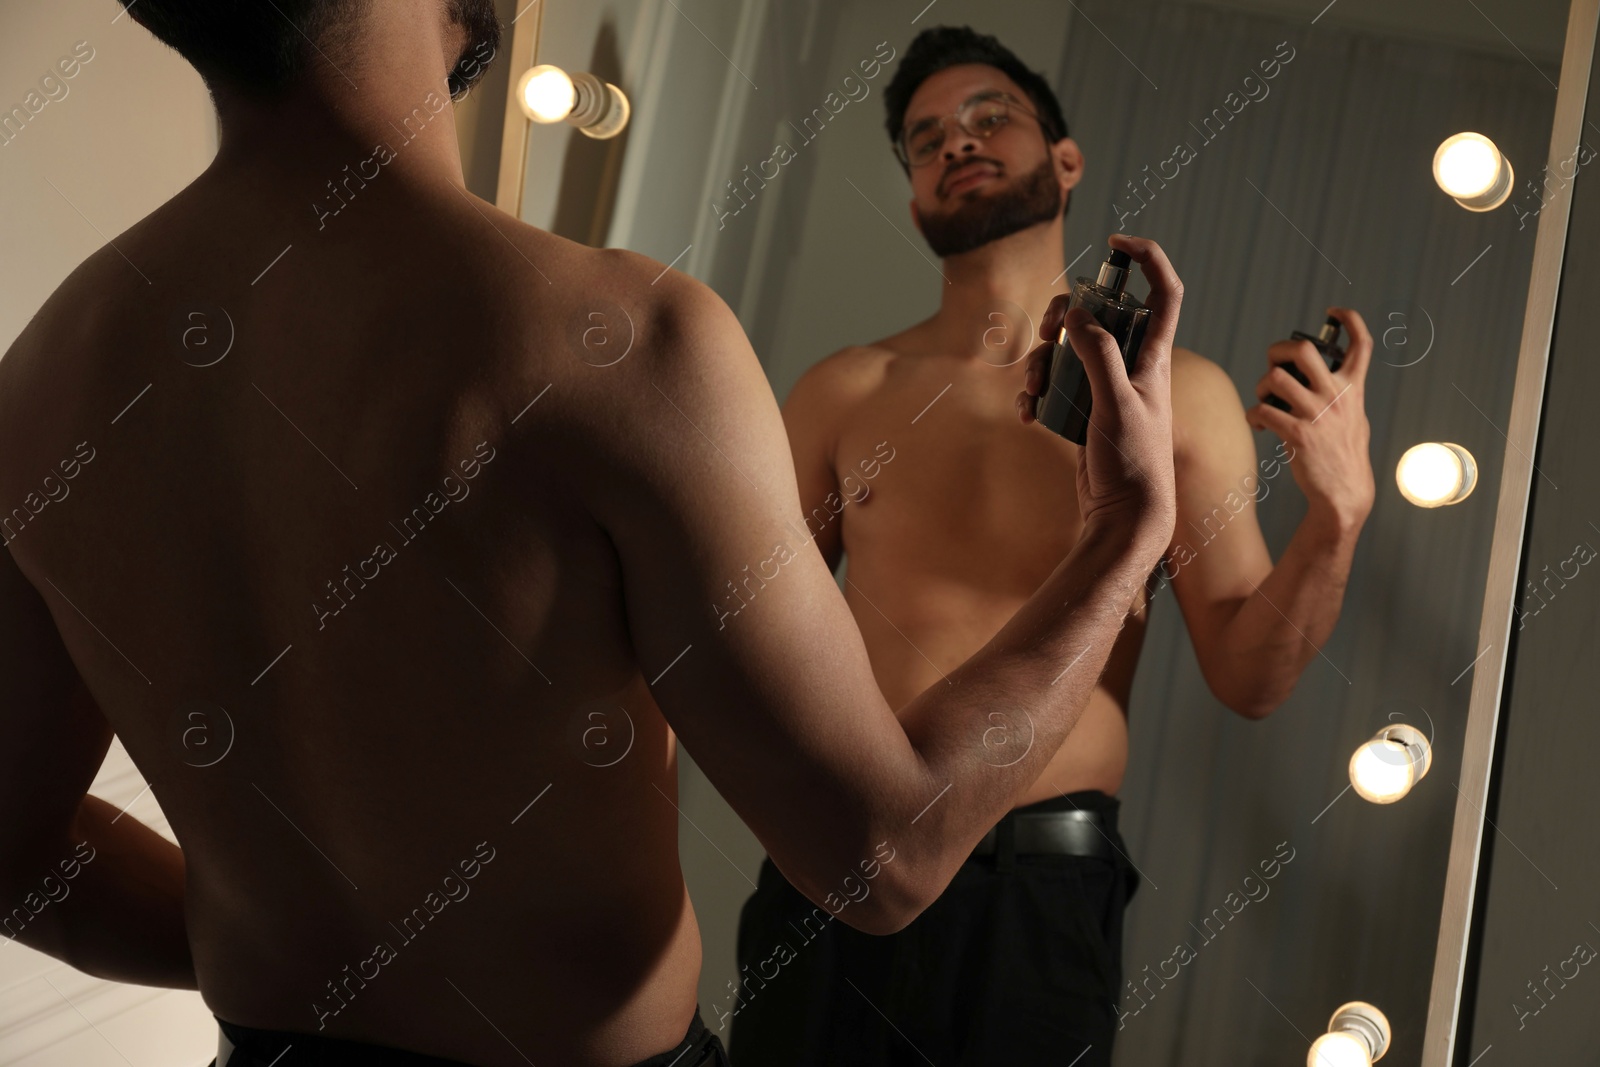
(478,18)
(1031,199)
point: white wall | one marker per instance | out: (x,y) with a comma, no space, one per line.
(135,126)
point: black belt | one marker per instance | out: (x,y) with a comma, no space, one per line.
(1057,833)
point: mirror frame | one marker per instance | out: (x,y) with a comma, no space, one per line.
(1505,554)
(1511,513)
(525,34)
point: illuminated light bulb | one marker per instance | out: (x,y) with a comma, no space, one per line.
(548,94)
(1472,171)
(1436,473)
(1358,1036)
(1384,769)
(1339,1050)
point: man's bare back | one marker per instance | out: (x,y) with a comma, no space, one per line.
(354,548)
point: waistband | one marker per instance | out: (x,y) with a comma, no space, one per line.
(1083,800)
(1083,823)
(245,1046)
(693,1051)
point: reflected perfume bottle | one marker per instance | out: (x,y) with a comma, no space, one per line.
(1064,407)
(1326,342)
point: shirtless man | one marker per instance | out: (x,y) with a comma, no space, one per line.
(319,492)
(1019,962)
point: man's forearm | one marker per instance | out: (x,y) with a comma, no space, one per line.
(120,914)
(987,734)
(1281,627)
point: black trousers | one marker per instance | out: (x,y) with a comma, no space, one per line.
(1019,963)
(700,1047)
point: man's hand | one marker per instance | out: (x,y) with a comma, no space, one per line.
(1125,474)
(1326,424)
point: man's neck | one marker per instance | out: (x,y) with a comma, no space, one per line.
(394,95)
(1025,269)
(307,132)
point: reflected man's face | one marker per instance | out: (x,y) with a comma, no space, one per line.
(977,189)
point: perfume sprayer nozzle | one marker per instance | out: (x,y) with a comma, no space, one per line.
(1114,271)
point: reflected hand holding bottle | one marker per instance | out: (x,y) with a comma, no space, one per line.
(1125,470)
(1325,425)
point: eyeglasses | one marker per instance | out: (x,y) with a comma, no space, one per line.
(982,116)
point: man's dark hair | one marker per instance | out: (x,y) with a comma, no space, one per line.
(251,46)
(939,47)
(260,46)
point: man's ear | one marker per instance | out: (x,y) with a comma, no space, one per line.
(1069,162)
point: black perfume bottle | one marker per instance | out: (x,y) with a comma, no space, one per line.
(1064,407)
(1326,342)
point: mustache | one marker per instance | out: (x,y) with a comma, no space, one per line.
(944,179)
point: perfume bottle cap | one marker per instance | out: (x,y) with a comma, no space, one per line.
(1114,271)
(1328,331)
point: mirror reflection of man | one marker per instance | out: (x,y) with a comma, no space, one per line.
(1019,962)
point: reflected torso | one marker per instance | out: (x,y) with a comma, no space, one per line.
(404,636)
(950,537)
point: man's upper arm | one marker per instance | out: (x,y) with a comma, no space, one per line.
(1218,555)
(52,735)
(751,652)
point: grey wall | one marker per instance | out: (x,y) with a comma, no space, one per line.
(1540,896)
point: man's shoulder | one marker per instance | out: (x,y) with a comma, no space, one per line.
(1197,383)
(667,310)
(1204,398)
(91,303)
(606,308)
(851,373)
(1188,361)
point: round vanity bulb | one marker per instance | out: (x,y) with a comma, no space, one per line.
(547,94)
(1385,768)
(597,108)
(1358,1036)
(1470,169)
(1339,1050)
(603,109)
(1381,772)
(1436,473)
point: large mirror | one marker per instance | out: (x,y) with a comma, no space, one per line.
(1284,155)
